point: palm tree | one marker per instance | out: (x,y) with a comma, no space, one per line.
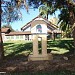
(44,11)
(65,25)
(66,28)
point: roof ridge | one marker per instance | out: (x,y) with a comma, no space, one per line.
(39,16)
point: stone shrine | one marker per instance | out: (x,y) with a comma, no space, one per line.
(39,30)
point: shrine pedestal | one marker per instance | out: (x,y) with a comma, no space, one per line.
(43,56)
(40,57)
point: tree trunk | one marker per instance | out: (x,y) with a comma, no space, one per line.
(1,46)
(1,42)
(47,15)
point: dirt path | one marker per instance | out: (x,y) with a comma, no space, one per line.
(20,63)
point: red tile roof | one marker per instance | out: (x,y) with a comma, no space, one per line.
(5,30)
(19,33)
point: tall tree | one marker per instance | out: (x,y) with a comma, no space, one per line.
(66,28)
(46,9)
(1,42)
(43,11)
(10,11)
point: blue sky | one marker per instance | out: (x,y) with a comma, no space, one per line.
(26,17)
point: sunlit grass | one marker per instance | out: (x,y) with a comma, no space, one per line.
(57,50)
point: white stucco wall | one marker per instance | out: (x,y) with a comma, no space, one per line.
(28,29)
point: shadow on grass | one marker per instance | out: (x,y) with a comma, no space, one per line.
(5,44)
(64,44)
(12,49)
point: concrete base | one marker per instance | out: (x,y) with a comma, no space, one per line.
(40,57)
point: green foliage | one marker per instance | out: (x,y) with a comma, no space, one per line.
(66,8)
(45,10)
(66,28)
(60,46)
(11,10)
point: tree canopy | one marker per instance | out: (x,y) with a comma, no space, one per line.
(66,7)
(11,10)
(67,11)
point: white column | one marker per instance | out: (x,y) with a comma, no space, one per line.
(44,45)
(35,45)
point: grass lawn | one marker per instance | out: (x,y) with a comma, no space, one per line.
(57,47)
(25,47)
(13,48)
(60,46)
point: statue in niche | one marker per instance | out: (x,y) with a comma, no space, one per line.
(39,29)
